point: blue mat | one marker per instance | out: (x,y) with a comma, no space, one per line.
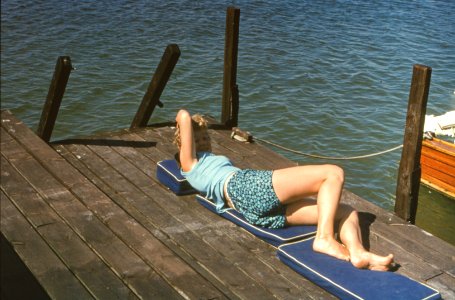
(274,237)
(168,173)
(343,280)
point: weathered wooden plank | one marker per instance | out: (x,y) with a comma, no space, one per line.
(152,222)
(382,241)
(164,260)
(263,155)
(184,279)
(133,270)
(407,263)
(264,273)
(54,276)
(444,284)
(80,259)
(229,275)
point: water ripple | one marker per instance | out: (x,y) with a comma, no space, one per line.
(329,78)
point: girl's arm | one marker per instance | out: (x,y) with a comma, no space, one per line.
(187,145)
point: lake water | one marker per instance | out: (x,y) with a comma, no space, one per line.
(325,77)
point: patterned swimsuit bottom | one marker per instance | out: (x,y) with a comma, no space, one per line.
(252,194)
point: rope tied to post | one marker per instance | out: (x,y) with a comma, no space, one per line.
(328,157)
(243,136)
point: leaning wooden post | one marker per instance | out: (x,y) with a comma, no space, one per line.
(157,84)
(409,172)
(54,97)
(230,67)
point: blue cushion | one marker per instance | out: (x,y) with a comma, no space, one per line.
(343,280)
(168,173)
(274,237)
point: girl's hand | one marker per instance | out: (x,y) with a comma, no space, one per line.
(182,115)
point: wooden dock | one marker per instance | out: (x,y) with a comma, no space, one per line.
(88,219)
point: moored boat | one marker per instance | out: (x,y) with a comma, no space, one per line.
(438,165)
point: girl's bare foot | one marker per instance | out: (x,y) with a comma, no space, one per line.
(366,260)
(331,247)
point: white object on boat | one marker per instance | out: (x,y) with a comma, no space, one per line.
(441,125)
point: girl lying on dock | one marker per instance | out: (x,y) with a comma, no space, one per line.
(276,199)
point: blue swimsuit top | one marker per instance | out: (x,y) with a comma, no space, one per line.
(208,176)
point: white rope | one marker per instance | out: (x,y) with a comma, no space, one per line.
(327,157)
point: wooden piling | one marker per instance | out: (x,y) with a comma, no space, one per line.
(229,109)
(54,98)
(234,118)
(156,86)
(409,172)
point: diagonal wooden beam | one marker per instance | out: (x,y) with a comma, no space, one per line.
(157,84)
(54,97)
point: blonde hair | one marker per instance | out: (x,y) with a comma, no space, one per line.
(198,122)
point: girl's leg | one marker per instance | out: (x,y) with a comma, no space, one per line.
(351,237)
(293,184)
